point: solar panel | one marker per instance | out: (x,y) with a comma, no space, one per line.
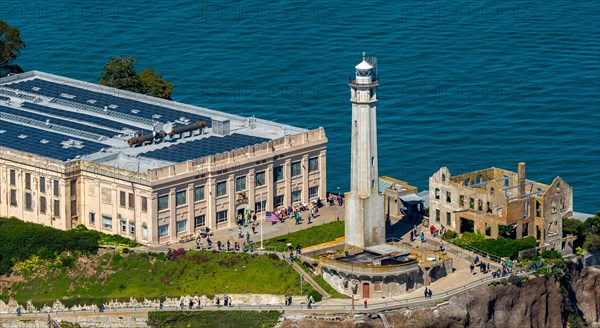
(203,147)
(52,149)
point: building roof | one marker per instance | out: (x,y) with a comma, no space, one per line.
(65,119)
(363,66)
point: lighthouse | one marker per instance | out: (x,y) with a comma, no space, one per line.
(365,224)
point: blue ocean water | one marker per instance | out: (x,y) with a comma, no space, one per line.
(463,84)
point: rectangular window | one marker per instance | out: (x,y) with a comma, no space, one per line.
(43,185)
(13,177)
(277,173)
(199,193)
(28,181)
(296,196)
(28,202)
(448,218)
(181,198)
(313,164)
(163,202)
(73,208)
(144,231)
(73,188)
(106,222)
(131,201)
(296,169)
(437,215)
(56,208)
(240,183)
(92,218)
(260,207)
(13,197)
(122,200)
(144,204)
(181,226)
(132,228)
(163,230)
(448,197)
(462,200)
(377,286)
(221,188)
(313,192)
(199,221)
(222,216)
(56,188)
(278,201)
(472,203)
(123,226)
(106,195)
(43,205)
(260,179)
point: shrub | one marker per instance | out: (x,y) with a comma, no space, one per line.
(221,319)
(551,255)
(125,250)
(450,234)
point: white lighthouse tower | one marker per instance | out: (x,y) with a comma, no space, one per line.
(365,223)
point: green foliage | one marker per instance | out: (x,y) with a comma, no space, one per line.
(119,72)
(502,247)
(217,319)
(450,234)
(308,237)
(10,43)
(592,242)
(551,255)
(4,297)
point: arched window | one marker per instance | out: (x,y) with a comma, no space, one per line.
(443,177)
(437,193)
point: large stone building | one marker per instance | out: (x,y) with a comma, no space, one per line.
(154,170)
(499,202)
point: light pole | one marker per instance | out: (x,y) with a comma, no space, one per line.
(263,221)
(354,290)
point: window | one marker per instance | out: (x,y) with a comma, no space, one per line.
(43,185)
(13,197)
(448,197)
(122,198)
(527,209)
(260,207)
(131,201)
(73,188)
(144,204)
(73,208)
(296,166)
(437,215)
(199,193)
(480,205)
(28,181)
(221,188)
(313,192)
(199,221)
(106,195)
(144,231)
(443,177)
(278,201)
(123,226)
(106,222)
(28,202)
(277,173)
(260,179)
(222,216)
(462,200)
(163,230)
(132,228)
(56,190)
(13,177)
(377,286)
(181,198)
(472,203)
(163,202)
(240,183)
(448,219)
(492,191)
(56,208)
(181,226)
(313,164)
(92,218)
(296,195)
(538,209)
(43,205)
(437,193)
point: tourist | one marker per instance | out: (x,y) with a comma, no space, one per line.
(230,302)
(472,266)
(311,301)
(209,242)
(247,236)
(240,235)
(225,300)
(290,299)
(161,305)
(251,246)
(425,292)
(286,299)
(191,304)
(254,228)
(298,249)
(198,241)
(441,246)
(429,293)
(218,302)
(181,304)
(339,200)
(219,244)
(308,219)
(228,245)
(476,259)
(254,217)
(365,303)
(422,237)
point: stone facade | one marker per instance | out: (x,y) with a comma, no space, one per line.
(493,200)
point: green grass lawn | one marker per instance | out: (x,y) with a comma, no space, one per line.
(308,237)
(115,276)
(216,319)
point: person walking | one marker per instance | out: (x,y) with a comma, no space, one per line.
(365,303)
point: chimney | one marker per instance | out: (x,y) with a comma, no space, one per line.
(521,178)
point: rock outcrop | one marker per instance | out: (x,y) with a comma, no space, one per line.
(586,288)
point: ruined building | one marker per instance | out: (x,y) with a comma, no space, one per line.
(498,202)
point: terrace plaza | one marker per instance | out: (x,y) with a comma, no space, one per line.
(153,170)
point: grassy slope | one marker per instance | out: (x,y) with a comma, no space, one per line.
(217,319)
(143,276)
(308,237)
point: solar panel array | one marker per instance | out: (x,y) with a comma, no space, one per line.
(57,121)
(9,138)
(100,100)
(203,147)
(80,116)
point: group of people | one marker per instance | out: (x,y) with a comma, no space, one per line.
(331,199)
(427,292)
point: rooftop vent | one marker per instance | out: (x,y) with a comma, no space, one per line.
(113,106)
(44,141)
(91,101)
(66,95)
(22,136)
(135,111)
(35,89)
(220,126)
(2,131)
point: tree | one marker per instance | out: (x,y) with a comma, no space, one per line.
(155,85)
(10,46)
(120,73)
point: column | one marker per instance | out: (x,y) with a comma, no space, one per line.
(231,209)
(250,186)
(323,175)
(210,193)
(190,207)
(270,184)
(172,215)
(287,174)
(304,167)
